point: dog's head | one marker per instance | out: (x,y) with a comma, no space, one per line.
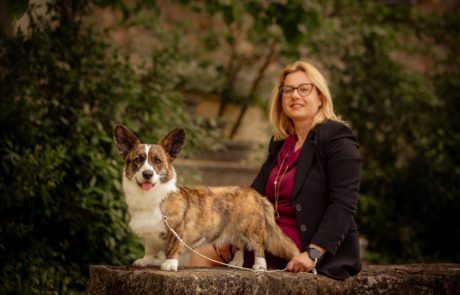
(148,164)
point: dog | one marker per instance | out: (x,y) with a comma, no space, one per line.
(234,215)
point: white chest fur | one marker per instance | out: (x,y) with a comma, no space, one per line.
(144,208)
(149,226)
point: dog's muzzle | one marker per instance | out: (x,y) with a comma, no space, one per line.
(147,174)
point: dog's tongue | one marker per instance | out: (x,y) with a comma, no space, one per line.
(146,186)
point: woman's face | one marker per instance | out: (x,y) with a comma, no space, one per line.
(296,106)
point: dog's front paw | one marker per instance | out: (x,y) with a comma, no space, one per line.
(170,265)
(158,259)
(260,264)
(146,261)
(238,259)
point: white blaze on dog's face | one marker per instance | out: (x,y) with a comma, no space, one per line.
(146,164)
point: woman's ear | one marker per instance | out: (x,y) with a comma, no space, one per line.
(321,100)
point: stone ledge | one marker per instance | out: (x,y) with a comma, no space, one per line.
(390,279)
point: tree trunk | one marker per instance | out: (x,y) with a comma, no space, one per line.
(232,71)
(255,85)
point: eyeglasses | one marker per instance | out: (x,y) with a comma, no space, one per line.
(302,89)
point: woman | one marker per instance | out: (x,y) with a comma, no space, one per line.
(312,177)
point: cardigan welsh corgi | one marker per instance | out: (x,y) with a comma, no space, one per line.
(234,215)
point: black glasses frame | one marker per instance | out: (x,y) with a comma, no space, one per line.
(282,89)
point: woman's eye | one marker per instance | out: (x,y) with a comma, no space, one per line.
(157,161)
(304,88)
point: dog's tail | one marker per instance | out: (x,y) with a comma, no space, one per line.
(277,243)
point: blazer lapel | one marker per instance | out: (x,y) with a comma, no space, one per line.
(304,163)
(273,155)
(261,179)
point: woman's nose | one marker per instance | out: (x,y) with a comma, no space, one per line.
(295,94)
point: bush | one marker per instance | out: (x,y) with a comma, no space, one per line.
(62,88)
(408,135)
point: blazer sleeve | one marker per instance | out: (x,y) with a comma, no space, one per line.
(343,170)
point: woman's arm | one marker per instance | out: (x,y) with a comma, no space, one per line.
(343,164)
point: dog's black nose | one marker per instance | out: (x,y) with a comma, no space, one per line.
(147,174)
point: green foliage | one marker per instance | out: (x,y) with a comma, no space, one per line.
(62,88)
(394,73)
(251,34)
(14,9)
(406,127)
(61,93)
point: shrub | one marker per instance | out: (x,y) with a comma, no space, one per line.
(62,88)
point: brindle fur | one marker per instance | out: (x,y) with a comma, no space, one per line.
(215,215)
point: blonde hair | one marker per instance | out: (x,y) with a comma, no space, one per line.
(283,126)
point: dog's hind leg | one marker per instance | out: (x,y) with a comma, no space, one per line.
(256,242)
(259,258)
(238,258)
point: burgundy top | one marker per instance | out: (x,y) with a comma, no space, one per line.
(287,157)
(284,173)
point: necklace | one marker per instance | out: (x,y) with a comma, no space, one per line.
(278,180)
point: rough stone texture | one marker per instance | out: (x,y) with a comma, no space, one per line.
(390,279)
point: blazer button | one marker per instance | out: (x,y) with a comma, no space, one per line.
(298,207)
(303,228)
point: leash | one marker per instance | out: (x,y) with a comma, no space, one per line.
(213,260)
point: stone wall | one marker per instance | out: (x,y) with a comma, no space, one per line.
(231,165)
(391,279)
(215,173)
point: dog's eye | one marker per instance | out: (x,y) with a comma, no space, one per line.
(139,160)
(157,161)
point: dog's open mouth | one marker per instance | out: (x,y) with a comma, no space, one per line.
(146,186)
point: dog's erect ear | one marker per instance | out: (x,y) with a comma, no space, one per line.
(173,142)
(125,140)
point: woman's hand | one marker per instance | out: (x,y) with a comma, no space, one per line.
(301,263)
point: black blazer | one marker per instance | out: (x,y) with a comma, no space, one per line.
(325,197)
